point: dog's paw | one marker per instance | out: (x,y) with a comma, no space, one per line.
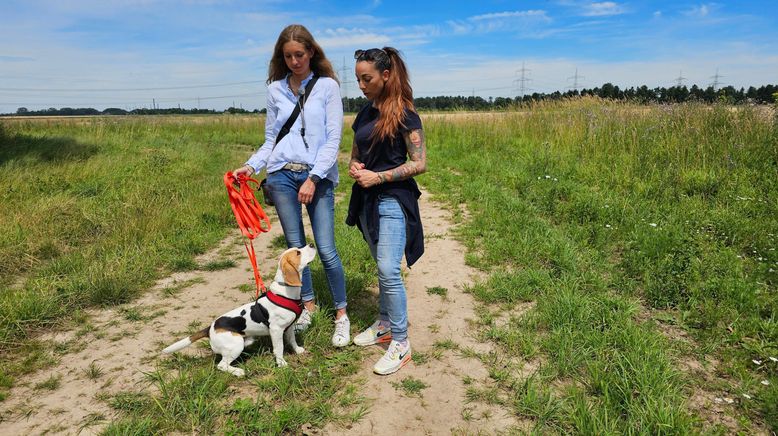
(237,372)
(281,362)
(299,350)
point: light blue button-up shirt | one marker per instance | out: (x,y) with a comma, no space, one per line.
(323,112)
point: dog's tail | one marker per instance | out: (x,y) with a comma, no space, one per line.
(183,343)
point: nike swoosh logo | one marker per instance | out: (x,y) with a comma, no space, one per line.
(380,334)
(402,356)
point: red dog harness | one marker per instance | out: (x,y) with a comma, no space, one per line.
(295,306)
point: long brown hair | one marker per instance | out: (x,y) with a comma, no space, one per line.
(397,95)
(320,65)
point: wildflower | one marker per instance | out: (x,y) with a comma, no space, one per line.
(756,362)
(652,224)
(765,382)
(746,396)
(607,226)
(547,176)
(773,359)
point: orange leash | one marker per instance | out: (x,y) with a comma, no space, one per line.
(249,215)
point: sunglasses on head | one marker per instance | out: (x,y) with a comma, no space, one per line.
(370,54)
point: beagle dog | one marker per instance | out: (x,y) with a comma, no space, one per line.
(274,313)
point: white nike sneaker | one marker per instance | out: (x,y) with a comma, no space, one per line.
(375,334)
(303,321)
(395,358)
(342,335)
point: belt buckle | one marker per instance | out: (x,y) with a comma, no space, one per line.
(296,167)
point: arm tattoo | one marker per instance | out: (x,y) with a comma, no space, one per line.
(354,153)
(417,154)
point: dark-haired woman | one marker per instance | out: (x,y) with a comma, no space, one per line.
(302,168)
(388,151)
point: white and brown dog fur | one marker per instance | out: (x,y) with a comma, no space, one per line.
(232,332)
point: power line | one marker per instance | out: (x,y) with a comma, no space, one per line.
(523,80)
(130,89)
(575,80)
(679,80)
(716,78)
(136,102)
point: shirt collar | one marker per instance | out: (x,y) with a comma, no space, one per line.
(303,84)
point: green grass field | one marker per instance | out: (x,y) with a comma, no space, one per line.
(644,236)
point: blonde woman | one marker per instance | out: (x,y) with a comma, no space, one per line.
(302,167)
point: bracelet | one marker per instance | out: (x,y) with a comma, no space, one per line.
(381,177)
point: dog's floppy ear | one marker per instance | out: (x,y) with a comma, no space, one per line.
(289,264)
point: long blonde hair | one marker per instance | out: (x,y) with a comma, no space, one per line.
(320,65)
(397,95)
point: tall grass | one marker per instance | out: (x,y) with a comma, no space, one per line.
(605,212)
(93,211)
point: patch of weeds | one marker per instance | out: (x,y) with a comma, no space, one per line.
(130,401)
(131,313)
(433,328)
(91,420)
(279,242)
(410,386)
(488,395)
(446,344)
(50,384)
(217,265)
(246,288)
(93,372)
(467,380)
(470,353)
(438,290)
(177,287)
(420,358)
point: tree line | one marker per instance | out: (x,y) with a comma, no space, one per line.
(765,94)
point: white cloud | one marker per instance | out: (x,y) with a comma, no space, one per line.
(701,11)
(515,14)
(511,21)
(350,38)
(599,9)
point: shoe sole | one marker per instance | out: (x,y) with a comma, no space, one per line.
(341,346)
(392,371)
(381,340)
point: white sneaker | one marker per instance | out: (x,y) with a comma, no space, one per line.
(375,334)
(342,335)
(395,358)
(303,322)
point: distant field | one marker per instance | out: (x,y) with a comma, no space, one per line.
(639,241)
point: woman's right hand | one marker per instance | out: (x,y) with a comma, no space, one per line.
(355,168)
(245,170)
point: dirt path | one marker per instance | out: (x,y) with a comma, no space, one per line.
(117,352)
(111,353)
(440,408)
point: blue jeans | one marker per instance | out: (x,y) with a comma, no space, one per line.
(283,186)
(388,253)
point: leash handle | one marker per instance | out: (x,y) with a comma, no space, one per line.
(249,215)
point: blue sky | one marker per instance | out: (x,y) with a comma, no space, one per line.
(211,53)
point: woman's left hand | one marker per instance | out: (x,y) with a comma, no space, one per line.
(305,194)
(367,178)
